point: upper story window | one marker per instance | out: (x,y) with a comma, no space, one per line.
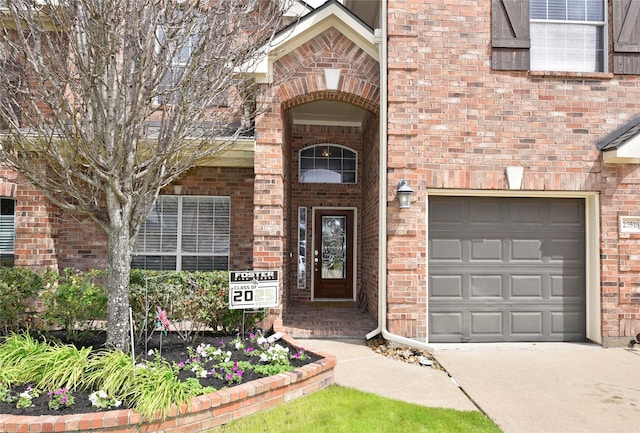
(181,43)
(328,163)
(185,233)
(567,35)
(7,231)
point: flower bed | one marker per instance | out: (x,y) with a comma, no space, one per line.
(202,413)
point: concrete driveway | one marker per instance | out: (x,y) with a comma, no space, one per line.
(550,387)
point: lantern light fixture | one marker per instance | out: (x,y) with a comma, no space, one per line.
(404,194)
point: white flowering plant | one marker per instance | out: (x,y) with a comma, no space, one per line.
(25,398)
(102,400)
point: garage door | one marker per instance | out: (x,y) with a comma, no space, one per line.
(506,269)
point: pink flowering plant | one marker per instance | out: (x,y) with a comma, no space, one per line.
(60,398)
(263,356)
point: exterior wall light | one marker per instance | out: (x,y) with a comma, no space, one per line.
(404,194)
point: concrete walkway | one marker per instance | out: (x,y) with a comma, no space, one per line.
(360,368)
(532,388)
(550,387)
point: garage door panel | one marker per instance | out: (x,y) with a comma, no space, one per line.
(526,324)
(446,249)
(529,286)
(485,212)
(448,212)
(447,326)
(486,323)
(567,287)
(509,269)
(527,213)
(486,249)
(566,322)
(446,286)
(526,249)
(565,250)
(567,214)
(486,286)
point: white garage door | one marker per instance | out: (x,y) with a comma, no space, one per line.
(506,269)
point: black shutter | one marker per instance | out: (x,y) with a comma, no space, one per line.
(510,41)
(626,36)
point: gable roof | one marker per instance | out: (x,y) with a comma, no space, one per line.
(623,144)
(617,138)
(330,15)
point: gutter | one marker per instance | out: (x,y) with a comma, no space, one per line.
(382,200)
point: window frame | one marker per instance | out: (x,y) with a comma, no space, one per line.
(602,26)
(7,223)
(315,158)
(143,253)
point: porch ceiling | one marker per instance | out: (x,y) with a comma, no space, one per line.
(328,113)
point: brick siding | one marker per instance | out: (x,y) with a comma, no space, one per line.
(300,79)
(455,123)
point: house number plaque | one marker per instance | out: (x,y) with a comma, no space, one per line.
(630,224)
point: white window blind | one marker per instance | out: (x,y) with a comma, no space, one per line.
(187,233)
(567,35)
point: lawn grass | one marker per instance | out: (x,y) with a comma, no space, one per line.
(342,410)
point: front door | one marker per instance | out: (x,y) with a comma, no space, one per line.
(332,255)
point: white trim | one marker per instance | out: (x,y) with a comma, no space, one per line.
(354,252)
(592,244)
(308,28)
(628,152)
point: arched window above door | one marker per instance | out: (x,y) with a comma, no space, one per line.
(328,163)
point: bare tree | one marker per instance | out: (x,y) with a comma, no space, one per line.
(106,102)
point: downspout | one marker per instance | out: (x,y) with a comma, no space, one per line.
(382,199)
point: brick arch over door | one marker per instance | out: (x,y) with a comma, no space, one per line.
(355,99)
(301,73)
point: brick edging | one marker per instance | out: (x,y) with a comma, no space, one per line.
(202,413)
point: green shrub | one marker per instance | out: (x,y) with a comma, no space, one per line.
(75,300)
(18,286)
(193,301)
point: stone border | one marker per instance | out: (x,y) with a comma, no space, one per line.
(203,413)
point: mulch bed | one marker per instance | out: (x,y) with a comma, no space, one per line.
(174,350)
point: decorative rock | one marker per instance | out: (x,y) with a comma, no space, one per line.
(423,360)
(404,354)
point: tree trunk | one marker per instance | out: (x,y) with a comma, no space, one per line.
(119,241)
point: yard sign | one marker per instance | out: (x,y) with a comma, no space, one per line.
(253,289)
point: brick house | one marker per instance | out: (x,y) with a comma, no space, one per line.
(514,123)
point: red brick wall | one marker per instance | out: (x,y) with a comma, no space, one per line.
(48,237)
(455,123)
(369,215)
(299,79)
(37,223)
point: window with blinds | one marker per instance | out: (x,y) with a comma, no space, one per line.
(185,233)
(7,231)
(567,35)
